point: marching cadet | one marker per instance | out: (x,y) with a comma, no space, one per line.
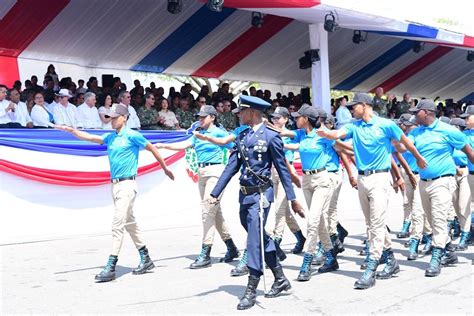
(257,149)
(372,137)
(436,141)
(210,157)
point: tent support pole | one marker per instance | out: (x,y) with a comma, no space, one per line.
(321,96)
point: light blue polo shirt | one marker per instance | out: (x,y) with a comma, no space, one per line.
(470,140)
(372,142)
(208,152)
(333,161)
(436,144)
(460,158)
(122,149)
(313,149)
(289,154)
(410,159)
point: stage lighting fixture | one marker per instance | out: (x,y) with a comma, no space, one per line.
(470,55)
(357,37)
(257,19)
(175,6)
(309,58)
(418,46)
(215,5)
(330,24)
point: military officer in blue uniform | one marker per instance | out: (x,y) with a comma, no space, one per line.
(258,148)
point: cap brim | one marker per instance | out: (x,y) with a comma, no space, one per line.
(112,115)
(236,110)
(413,110)
(276,115)
(295,114)
(464,115)
(62,95)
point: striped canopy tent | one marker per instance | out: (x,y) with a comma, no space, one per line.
(82,36)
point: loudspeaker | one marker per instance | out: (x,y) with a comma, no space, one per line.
(305,95)
(107,81)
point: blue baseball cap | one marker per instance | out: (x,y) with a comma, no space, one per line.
(255,103)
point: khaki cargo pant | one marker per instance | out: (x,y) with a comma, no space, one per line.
(412,207)
(462,200)
(436,198)
(283,213)
(212,217)
(373,195)
(124,194)
(317,190)
(333,219)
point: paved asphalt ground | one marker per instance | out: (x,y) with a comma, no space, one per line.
(53,272)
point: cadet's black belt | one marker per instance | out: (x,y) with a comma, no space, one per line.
(369,172)
(254,189)
(471,172)
(122,179)
(205,164)
(462,166)
(415,172)
(334,171)
(314,171)
(435,178)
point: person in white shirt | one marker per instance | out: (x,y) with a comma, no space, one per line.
(7,111)
(40,116)
(65,113)
(87,113)
(167,117)
(133,121)
(105,100)
(343,115)
(22,116)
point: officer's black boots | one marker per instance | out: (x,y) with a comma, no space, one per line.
(108,273)
(232,251)
(204,258)
(279,252)
(299,243)
(280,284)
(145,262)
(391,267)
(250,295)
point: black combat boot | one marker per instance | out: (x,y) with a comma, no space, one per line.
(367,280)
(241,268)
(341,232)
(463,241)
(319,258)
(428,244)
(108,273)
(391,267)
(232,251)
(145,262)
(435,264)
(331,262)
(449,256)
(250,295)
(280,284)
(204,258)
(300,241)
(337,244)
(279,252)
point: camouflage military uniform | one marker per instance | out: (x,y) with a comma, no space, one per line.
(380,106)
(227,120)
(148,118)
(402,108)
(185,118)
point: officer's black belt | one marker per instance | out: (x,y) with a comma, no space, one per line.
(122,179)
(436,178)
(205,164)
(369,172)
(314,171)
(462,166)
(254,189)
